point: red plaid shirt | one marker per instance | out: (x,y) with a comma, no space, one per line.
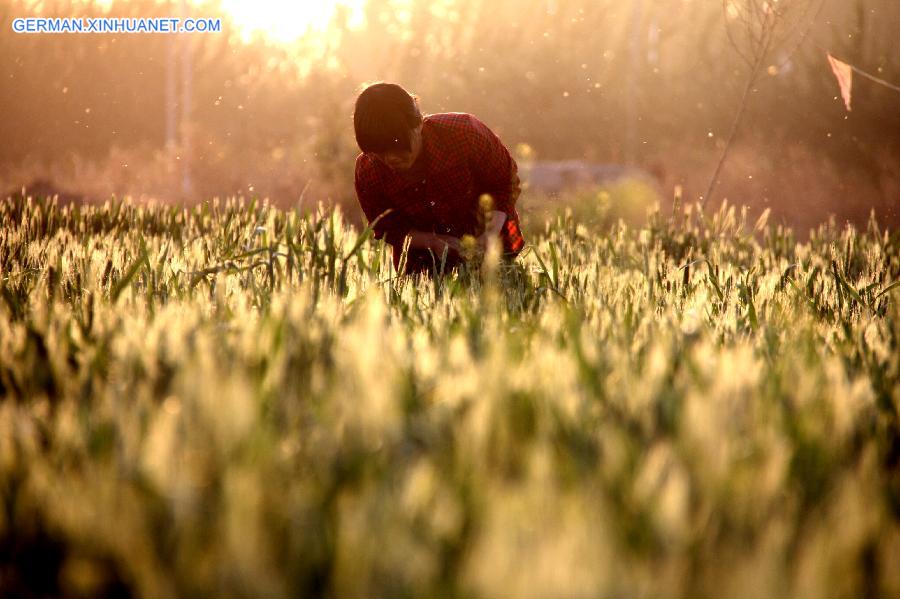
(463,160)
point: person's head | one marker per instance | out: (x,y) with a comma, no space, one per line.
(388,124)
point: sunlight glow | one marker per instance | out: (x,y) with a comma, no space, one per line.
(286,21)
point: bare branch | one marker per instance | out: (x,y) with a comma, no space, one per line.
(764,25)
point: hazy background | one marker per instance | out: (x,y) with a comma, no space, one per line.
(260,111)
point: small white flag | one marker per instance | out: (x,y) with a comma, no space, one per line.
(843,72)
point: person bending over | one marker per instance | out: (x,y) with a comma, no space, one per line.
(425,178)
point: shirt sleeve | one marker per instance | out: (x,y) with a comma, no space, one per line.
(391,227)
(496,172)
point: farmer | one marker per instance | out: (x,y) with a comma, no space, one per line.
(434,180)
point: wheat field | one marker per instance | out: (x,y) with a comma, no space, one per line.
(236,400)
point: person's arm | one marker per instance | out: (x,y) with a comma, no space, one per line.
(387,223)
(390,226)
(434,242)
(495,169)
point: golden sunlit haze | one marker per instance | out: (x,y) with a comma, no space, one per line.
(265,106)
(286,21)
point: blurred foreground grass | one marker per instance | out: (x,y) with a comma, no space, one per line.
(238,401)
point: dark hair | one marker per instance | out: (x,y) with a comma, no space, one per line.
(384,115)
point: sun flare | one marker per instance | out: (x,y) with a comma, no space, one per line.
(286,21)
